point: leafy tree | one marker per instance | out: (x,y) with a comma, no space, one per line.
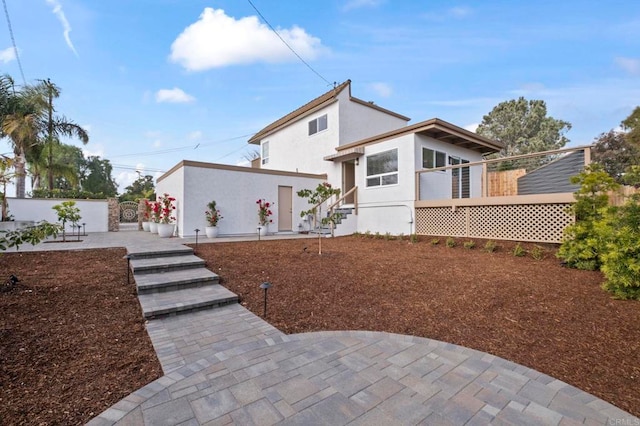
(316,198)
(632,124)
(6,164)
(523,127)
(143,187)
(97,177)
(32,234)
(615,153)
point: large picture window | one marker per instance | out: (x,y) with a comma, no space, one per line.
(432,158)
(318,124)
(382,168)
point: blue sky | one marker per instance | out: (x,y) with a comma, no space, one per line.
(158,81)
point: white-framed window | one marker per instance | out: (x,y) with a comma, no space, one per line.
(265,152)
(432,158)
(382,168)
(318,124)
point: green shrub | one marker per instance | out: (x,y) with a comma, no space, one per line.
(537,252)
(435,241)
(621,257)
(388,236)
(451,242)
(413,238)
(519,251)
(581,244)
(367,234)
(401,236)
(490,246)
(377,236)
(469,244)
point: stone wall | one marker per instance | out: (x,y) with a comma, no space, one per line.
(114,214)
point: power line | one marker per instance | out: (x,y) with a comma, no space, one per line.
(287,44)
(181,148)
(13,40)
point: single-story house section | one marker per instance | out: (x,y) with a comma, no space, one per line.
(369,152)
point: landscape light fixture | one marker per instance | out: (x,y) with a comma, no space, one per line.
(195,251)
(266,286)
(84,232)
(128,257)
(259,229)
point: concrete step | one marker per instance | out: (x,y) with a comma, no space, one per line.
(174,280)
(146,253)
(166,263)
(156,305)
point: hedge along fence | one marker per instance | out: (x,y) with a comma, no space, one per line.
(94,213)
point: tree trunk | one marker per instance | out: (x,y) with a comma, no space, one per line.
(21,176)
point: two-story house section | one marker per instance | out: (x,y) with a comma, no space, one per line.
(299,141)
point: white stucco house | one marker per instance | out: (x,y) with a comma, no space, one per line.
(370,153)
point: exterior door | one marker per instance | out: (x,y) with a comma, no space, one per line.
(348,179)
(285,208)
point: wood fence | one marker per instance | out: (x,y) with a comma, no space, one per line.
(618,198)
(504,183)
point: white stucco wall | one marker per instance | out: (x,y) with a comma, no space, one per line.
(388,208)
(235,190)
(359,121)
(94,213)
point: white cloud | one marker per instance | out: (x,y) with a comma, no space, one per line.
(174,95)
(157,143)
(381,89)
(96,151)
(630,65)
(357,4)
(217,40)
(66,27)
(152,134)
(7,55)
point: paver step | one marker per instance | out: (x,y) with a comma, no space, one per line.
(156,305)
(174,280)
(177,250)
(160,264)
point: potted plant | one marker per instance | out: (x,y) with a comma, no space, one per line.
(166,226)
(154,216)
(213,216)
(264,212)
(146,218)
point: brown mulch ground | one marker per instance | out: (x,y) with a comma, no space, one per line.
(534,312)
(72,340)
(72,337)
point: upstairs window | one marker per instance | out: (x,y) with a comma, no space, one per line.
(265,152)
(318,124)
(432,159)
(382,169)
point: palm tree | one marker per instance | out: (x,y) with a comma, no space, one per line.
(19,118)
(57,126)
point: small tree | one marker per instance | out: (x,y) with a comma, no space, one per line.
(316,198)
(33,235)
(67,212)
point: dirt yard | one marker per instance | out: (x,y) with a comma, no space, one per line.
(72,339)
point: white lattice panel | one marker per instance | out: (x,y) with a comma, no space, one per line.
(520,222)
(441,221)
